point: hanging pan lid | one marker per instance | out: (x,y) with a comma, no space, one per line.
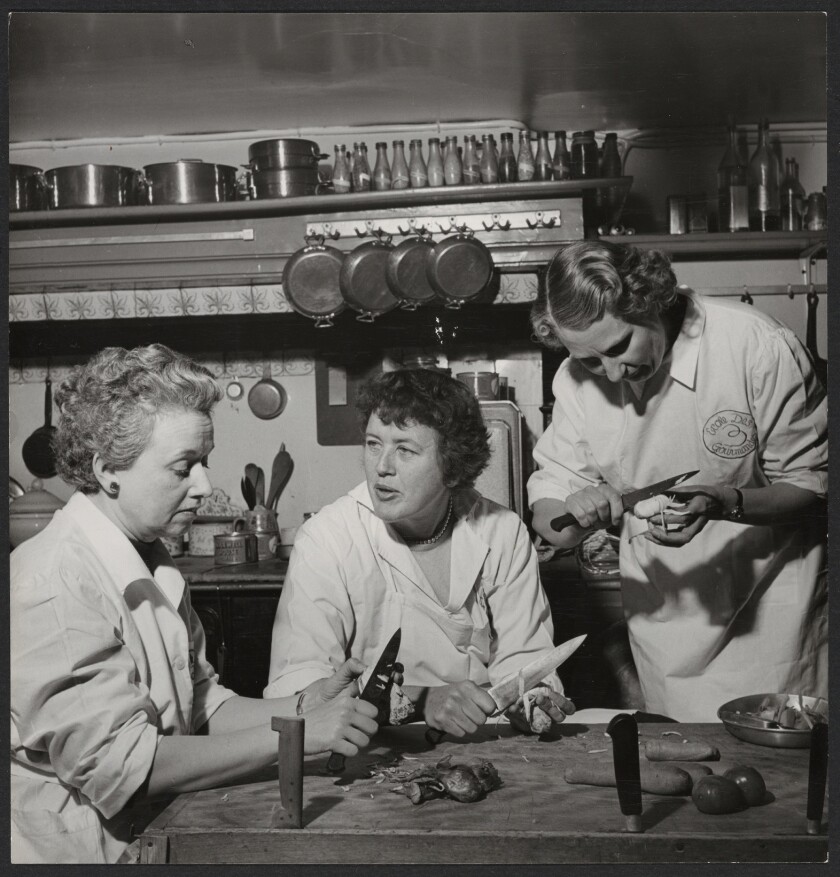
(310,282)
(459,268)
(406,272)
(363,280)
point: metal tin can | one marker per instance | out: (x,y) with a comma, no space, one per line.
(677,214)
(233,548)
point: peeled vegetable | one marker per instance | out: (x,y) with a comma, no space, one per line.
(660,779)
(750,782)
(461,784)
(717,794)
(680,750)
(658,505)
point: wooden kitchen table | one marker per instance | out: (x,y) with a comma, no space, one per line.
(535,817)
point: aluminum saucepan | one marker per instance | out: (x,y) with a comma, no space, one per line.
(92,185)
(459,268)
(363,282)
(406,272)
(284,154)
(27,188)
(310,282)
(188,181)
(279,183)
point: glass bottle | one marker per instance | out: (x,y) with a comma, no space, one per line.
(452,170)
(561,163)
(507,161)
(341,172)
(584,155)
(489,165)
(361,170)
(399,167)
(471,162)
(610,197)
(792,197)
(434,166)
(417,173)
(763,184)
(732,187)
(542,160)
(525,167)
(382,169)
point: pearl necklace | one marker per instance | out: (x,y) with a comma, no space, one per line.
(434,538)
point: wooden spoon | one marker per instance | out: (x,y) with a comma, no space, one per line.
(281,471)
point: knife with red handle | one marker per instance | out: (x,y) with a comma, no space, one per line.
(629,500)
(625,738)
(817,768)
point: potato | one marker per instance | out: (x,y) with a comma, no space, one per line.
(715,794)
(750,782)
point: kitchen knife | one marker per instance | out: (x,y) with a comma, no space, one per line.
(628,500)
(817,767)
(376,690)
(507,691)
(625,738)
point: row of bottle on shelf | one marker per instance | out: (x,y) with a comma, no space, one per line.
(449,164)
(754,196)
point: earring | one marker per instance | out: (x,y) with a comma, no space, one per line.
(114,488)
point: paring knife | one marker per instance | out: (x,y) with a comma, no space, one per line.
(376,690)
(817,767)
(508,690)
(628,500)
(625,738)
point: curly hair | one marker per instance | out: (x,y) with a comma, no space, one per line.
(108,407)
(434,399)
(587,279)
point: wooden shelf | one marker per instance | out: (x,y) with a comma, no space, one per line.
(716,244)
(313,205)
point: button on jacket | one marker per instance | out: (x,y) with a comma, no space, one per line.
(352,581)
(106,657)
(741,609)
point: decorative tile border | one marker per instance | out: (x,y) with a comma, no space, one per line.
(246,364)
(128,304)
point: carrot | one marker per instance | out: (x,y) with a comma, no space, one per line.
(660,779)
(679,750)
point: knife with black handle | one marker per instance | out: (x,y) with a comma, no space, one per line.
(377,689)
(625,738)
(817,768)
(629,500)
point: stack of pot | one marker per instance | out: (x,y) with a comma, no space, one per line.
(284,168)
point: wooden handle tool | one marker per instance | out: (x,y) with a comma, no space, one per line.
(625,736)
(289,770)
(817,768)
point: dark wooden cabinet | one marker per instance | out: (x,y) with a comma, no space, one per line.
(237,622)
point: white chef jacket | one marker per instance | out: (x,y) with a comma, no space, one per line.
(105,659)
(741,609)
(352,581)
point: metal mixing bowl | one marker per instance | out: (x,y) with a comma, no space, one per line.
(738,717)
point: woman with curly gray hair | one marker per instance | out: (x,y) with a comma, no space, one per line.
(416,547)
(114,705)
(724,593)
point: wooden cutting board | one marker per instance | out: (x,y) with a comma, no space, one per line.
(536,817)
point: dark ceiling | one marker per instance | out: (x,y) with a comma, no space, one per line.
(85,75)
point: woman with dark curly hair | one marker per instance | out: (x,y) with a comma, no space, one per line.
(114,706)
(416,547)
(724,592)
